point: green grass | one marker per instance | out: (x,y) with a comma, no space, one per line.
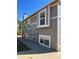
(21,46)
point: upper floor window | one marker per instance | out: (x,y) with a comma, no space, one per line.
(44,20)
(42,17)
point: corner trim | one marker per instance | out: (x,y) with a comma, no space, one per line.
(59,27)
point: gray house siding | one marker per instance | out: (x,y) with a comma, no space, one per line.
(53,11)
(33,19)
(52,30)
(33,34)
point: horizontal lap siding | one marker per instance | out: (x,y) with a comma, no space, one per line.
(33,28)
(33,19)
(53,11)
(52,31)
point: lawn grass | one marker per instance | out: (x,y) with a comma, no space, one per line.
(21,46)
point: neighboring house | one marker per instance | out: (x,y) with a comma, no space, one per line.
(44,26)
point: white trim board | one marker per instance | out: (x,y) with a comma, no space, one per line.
(45,16)
(45,25)
(54,17)
(58,24)
(49,15)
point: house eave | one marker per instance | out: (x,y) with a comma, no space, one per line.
(56,1)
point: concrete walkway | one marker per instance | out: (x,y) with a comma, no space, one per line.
(36,48)
(52,55)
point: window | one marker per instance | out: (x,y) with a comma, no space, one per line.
(44,40)
(42,17)
(43,20)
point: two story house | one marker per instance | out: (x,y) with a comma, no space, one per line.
(43,26)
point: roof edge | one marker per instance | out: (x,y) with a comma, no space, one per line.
(41,9)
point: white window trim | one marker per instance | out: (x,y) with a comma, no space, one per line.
(49,15)
(49,40)
(46,25)
(39,18)
(43,26)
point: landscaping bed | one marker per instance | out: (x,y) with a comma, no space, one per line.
(21,46)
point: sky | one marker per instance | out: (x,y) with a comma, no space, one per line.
(29,7)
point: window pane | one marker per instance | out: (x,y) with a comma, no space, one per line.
(42,21)
(46,42)
(41,40)
(42,14)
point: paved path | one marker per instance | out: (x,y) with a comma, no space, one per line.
(52,55)
(36,48)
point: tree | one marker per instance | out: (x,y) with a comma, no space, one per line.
(19,28)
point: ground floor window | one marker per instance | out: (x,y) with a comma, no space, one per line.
(44,40)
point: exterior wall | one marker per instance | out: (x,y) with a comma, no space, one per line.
(33,27)
(26,21)
(24,30)
(33,31)
(53,11)
(33,19)
(33,34)
(52,30)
